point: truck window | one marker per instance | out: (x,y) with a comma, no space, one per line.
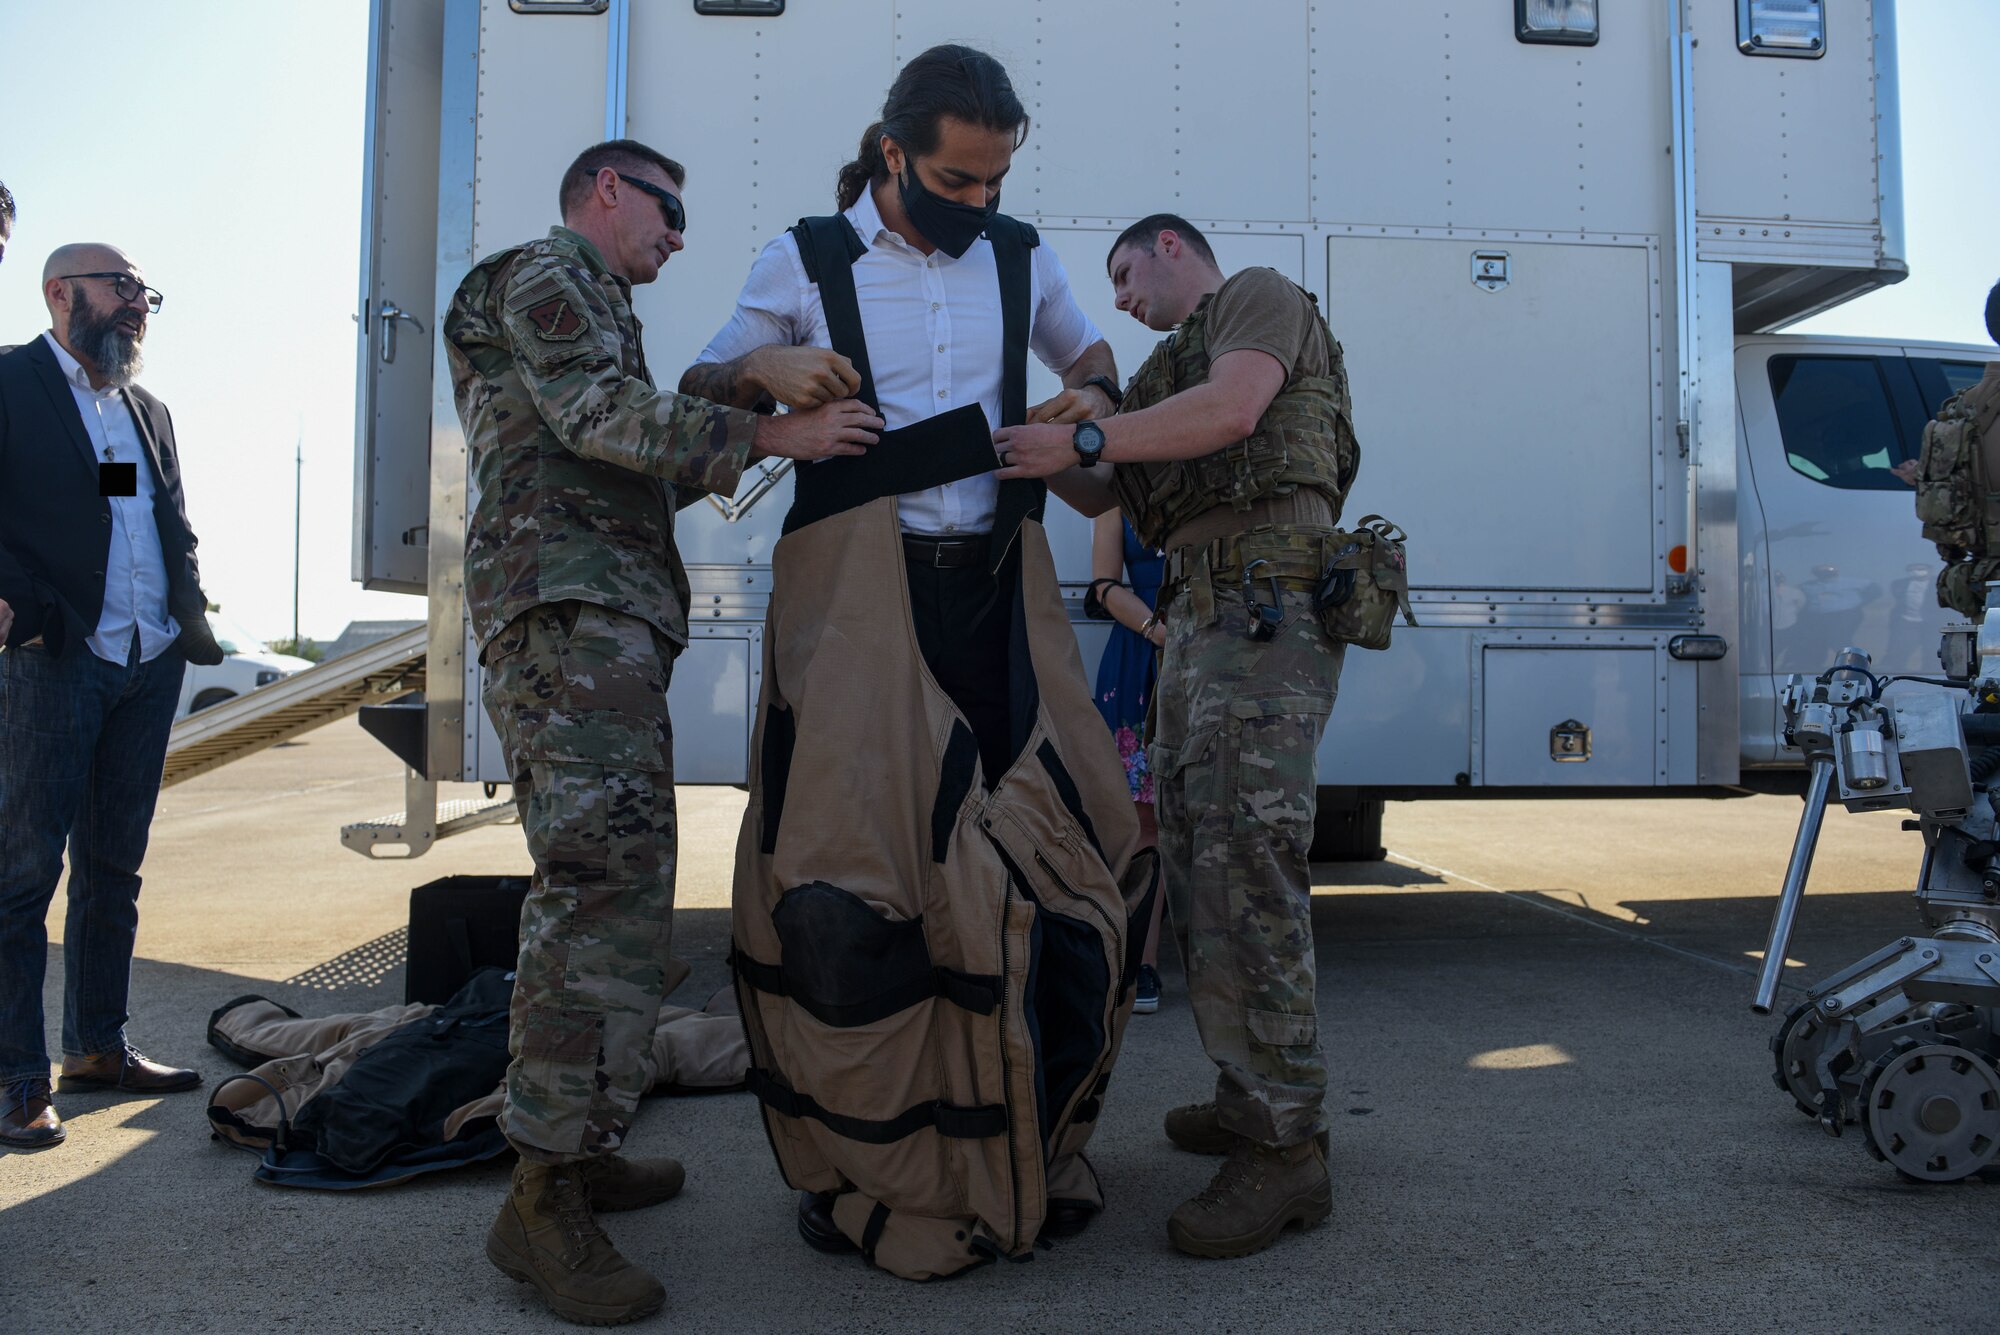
(1837,421)
(1940,379)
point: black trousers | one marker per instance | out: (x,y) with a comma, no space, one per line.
(963,622)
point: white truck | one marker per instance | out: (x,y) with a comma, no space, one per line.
(1554,237)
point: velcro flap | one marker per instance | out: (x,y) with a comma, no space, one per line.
(1280,1030)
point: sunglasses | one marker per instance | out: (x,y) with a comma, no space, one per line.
(670,204)
(126,287)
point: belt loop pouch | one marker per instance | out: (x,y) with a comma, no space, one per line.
(1201,588)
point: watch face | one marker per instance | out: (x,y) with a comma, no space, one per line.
(1090,436)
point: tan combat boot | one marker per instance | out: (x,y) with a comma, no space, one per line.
(1197,1128)
(545,1236)
(618,1183)
(1257,1193)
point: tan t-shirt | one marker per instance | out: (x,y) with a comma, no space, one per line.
(1262,309)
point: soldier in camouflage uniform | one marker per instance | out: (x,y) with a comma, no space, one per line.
(1948,487)
(1233,451)
(579,602)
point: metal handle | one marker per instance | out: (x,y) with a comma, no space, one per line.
(1795,885)
(391,313)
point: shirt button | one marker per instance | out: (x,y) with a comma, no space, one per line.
(935,305)
(940,347)
(941,393)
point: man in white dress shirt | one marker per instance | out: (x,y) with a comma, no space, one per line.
(917,205)
(919,197)
(101,609)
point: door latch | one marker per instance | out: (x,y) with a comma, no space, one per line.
(391,313)
(1489,270)
(1569,741)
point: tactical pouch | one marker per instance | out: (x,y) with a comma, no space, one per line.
(1365,585)
(1954,496)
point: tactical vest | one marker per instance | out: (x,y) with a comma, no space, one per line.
(935,965)
(1304,439)
(828,247)
(1956,499)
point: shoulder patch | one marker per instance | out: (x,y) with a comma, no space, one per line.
(556,320)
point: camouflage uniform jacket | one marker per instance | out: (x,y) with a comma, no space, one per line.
(578,462)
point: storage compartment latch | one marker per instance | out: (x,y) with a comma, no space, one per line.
(1569,740)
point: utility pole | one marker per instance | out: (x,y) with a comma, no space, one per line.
(298,510)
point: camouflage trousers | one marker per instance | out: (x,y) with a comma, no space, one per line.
(1961,586)
(1236,737)
(578,695)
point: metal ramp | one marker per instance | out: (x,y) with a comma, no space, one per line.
(299,703)
(433,820)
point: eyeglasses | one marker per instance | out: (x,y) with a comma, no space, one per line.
(126,287)
(670,204)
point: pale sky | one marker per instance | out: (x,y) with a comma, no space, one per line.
(220,144)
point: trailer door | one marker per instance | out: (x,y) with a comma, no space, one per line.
(1507,400)
(397,327)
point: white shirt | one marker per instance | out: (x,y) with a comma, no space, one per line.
(934,338)
(135,569)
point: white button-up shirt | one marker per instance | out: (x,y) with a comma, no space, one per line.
(934,338)
(135,568)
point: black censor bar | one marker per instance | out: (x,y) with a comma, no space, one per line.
(117,479)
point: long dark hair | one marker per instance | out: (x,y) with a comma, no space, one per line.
(944,81)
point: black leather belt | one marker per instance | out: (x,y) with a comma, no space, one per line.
(944,553)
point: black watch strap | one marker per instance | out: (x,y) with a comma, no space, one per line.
(1111,391)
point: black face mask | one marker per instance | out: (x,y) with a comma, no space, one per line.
(950,226)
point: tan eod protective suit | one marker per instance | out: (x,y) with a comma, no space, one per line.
(934,977)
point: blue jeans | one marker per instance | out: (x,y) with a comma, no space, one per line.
(82,744)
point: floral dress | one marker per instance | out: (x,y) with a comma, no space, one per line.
(1126,673)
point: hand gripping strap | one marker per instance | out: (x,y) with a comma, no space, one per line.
(949,1120)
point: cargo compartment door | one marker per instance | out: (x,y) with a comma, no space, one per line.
(1507,399)
(397,327)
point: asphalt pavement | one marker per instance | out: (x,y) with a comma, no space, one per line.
(1551,1102)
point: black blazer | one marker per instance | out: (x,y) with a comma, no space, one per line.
(55,529)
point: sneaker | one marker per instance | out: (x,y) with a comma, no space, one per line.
(1146,999)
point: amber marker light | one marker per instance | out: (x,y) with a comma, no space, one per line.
(1677,560)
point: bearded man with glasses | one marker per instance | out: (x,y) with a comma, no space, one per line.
(101,609)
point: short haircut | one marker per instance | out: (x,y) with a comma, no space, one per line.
(619,155)
(1993,313)
(6,209)
(1145,234)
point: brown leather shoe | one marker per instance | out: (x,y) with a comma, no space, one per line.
(127,1069)
(28,1120)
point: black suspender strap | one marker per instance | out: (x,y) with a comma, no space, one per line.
(828,248)
(1013,241)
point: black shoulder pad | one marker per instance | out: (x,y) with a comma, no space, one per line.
(811,234)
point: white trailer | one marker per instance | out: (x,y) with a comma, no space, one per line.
(1551,234)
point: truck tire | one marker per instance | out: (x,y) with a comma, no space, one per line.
(1347,828)
(214,695)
